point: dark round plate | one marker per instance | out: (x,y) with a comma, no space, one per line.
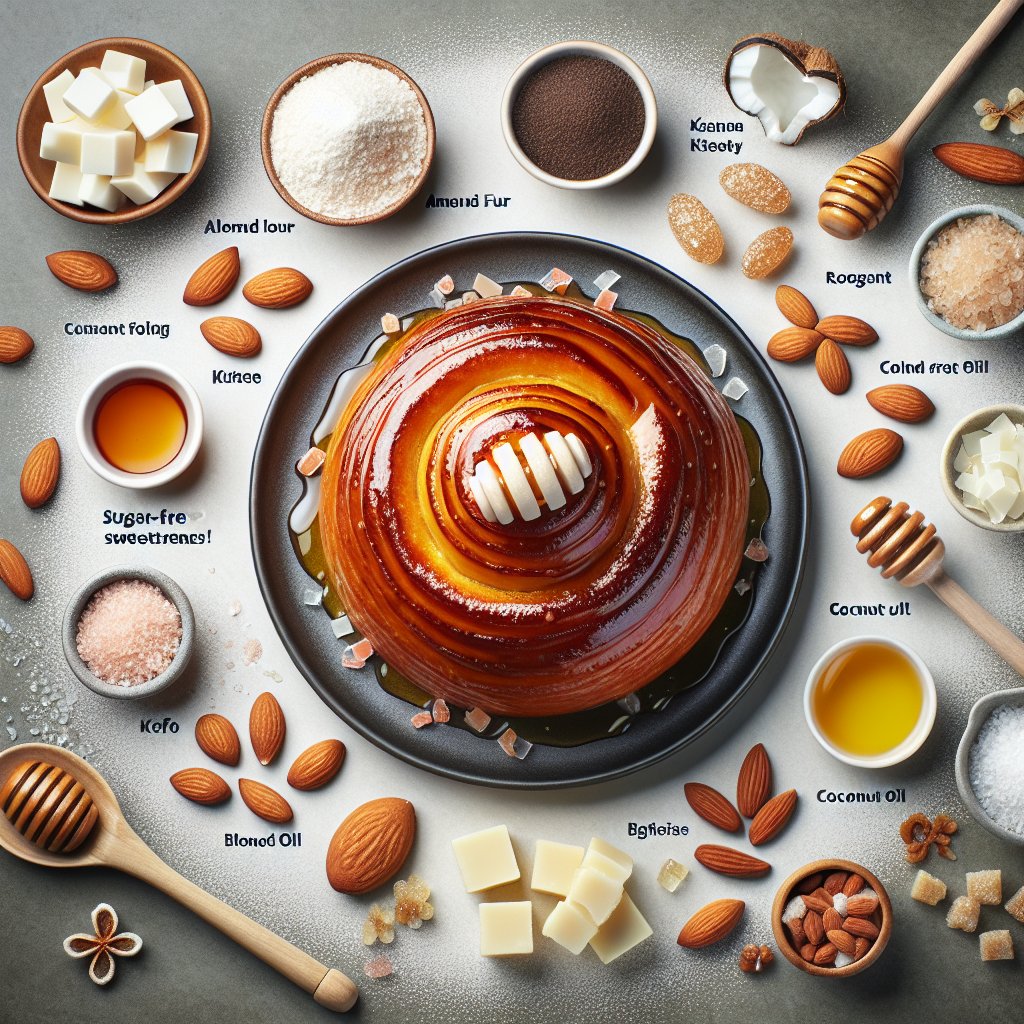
(340,341)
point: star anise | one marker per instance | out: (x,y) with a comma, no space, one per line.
(103,945)
(991,115)
(918,832)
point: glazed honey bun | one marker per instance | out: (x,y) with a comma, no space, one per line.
(533,506)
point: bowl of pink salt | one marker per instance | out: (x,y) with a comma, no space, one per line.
(129,632)
(967,270)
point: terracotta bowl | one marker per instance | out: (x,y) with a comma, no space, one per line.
(161,66)
(882,918)
(311,69)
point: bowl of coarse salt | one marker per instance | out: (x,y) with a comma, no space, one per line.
(347,139)
(128,632)
(989,766)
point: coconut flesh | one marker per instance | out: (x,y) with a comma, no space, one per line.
(764,82)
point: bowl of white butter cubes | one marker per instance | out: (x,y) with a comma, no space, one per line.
(114,131)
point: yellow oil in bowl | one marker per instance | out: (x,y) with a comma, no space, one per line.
(868,699)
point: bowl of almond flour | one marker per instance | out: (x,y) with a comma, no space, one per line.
(348,139)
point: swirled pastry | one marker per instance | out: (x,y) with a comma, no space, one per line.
(595,588)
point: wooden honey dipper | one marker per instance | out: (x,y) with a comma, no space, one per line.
(905,548)
(59,812)
(863,191)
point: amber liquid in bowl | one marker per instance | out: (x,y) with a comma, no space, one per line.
(140,426)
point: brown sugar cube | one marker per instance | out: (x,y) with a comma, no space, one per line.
(929,889)
(963,914)
(1015,906)
(997,945)
(985,886)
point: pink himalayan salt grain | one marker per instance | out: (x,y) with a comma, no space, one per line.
(422,718)
(252,651)
(972,273)
(440,711)
(606,300)
(379,967)
(478,719)
(507,741)
(128,633)
(311,462)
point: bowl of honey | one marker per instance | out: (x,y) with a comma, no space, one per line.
(140,425)
(870,701)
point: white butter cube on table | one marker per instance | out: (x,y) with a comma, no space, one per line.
(596,893)
(506,929)
(151,113)
(67,184)
(554,865)
(142,186)
(124,71)
(97,191)
(622,931)
(53,92)
(108,153)
(89,95)
(569,927)
(173,152)
(486,858)
(174,92)
(61,142)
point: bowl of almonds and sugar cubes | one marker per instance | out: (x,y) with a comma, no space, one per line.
(114,131)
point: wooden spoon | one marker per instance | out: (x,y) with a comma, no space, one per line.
(863,191)
(898,541)
(59,812)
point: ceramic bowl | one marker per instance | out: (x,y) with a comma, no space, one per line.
(976,421)
(161,66)
(171,591)
(920,731)
(882,918)
(585,49)
(105,384)
(311,69)
(979,715)
(933,229)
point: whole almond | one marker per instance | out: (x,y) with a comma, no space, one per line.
(711,924)
(824,896)
(266,728)
(861,927)
(814,928)
(264,802)
(843,941)
(901,402)
(861,906)
(792,344)
(807,952)
(316,765)
(833,367)
(371,845)
(816,903)
(853,885)
(15,344)
(834,882)
(201,786)
(14,571)
(712,806)
(278,288)
(860,947)
(754,785)
(773,817)
(86,271)
(796,307)
(217,738)
(40,473)
(213,280)
(232,336)
(809,884)
(797,932)
(869,453)
(825,955)
(831,920)
(991,164)
(726,861)
(850,330)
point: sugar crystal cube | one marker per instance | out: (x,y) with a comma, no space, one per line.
(985,886)
(963,914)
(672,875)
(928,889)
(996,945)
(1015,905)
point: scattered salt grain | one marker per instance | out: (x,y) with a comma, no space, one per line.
(507,742)
(520,292)
(446,285)
(606,300)
(556,280)
(717,358)
(795,910)
(235,609)
(379,967)
(252,651)
(128,633)
(477,719)
(341,626)
(672,875)
(607,280)
(468,297)
(839,903)
(485,287)
(422,718)
(757,550)
(357,655)
(735,389)
(313,596)
(996,768)
(311,462)
(440,711)
(630,704)
(842,960)
(390,324)
(742,587)
(521,748)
